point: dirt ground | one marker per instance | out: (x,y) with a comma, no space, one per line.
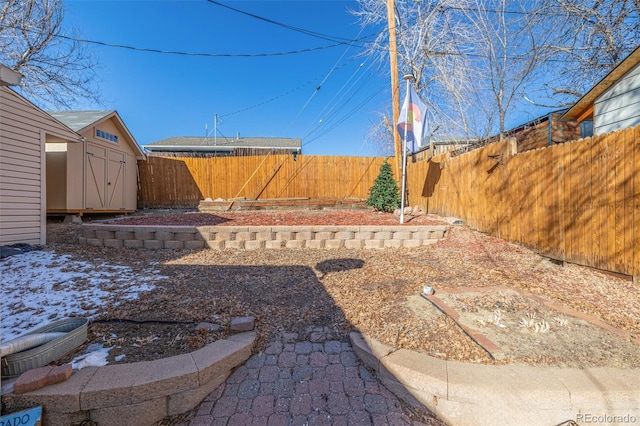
(374,291)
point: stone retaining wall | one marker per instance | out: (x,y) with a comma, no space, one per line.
(259,237)
(139,393)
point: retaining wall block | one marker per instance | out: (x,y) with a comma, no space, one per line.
(285,235)
(82,241)
(245,236)
(324,235)
(133,243)
(89,233)
(153,244)
(215,245)
(145,235)
(224,236)
(234,245)
(334,244)
(374,243)
(364,235)
(110,386)
(163,377)
(194,244)
(422,235)
(345,235)
(181,402)
(393,243)
(185,236)
(172,244)
(354,244)
(125,235)
(383,235)
(298,244)
(402,235)
(315,244)
(143,413)
(437,234)
(96,242)
(265,235)
(274,244)
(304,235)
(105,235)
(164,235)
(254,245)
(114,243)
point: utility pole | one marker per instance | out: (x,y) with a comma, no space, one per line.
(395,89)
(215,129)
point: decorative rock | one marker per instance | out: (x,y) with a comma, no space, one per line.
(242,323)
(38,378)
(208,326)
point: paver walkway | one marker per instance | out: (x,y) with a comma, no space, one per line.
(314,381)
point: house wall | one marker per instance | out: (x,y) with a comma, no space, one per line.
(619,106)
(24,130)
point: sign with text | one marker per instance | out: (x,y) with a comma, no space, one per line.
(30,417)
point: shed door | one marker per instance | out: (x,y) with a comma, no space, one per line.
(115,181)
(95,191)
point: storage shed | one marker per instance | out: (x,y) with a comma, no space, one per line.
(100,175)
(24,131)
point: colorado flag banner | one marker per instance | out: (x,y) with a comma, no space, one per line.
(412,119)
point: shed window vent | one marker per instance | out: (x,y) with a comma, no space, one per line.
(106,135)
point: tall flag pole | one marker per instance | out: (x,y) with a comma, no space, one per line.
(411,124)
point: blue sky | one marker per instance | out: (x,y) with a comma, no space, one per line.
(164,95)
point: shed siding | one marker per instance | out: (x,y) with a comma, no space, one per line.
(23,131)
(619,106)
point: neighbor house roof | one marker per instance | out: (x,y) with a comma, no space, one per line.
(204,144)
(583,109)
(80,120)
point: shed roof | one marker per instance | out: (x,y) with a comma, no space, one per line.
(193,143)
(78,120)
(584,107)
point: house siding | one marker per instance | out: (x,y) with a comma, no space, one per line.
(619,106)
(24,129)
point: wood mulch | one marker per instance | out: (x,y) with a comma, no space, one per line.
(373,291)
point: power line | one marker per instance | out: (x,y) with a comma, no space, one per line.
(282,94)
(280,24)
(207,55)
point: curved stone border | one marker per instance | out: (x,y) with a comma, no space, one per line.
(260,237)
(464,394)
(139,393)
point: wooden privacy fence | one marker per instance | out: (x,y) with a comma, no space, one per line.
(181,182)
(577,202)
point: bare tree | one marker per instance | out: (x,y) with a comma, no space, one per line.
(57,69)
(595,36)
(431,47)
(476,62)
(508,56)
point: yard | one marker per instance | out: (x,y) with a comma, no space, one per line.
(483,279)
